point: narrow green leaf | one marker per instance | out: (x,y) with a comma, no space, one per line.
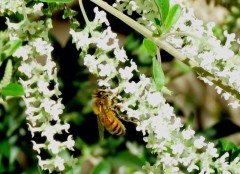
(59,1)
(5,148)
(13,89)
(163,6)
(157,24)
(150,47)
(104,167)
(10,48)
(173,16)
(143,55)
(158,74)
(227,145)
(7,74)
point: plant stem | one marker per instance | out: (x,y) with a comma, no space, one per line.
(159,56)
(83,12)
(167,47)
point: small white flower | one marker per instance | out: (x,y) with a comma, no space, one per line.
(104,42)
(43,163)
(144,81)
(100,16)
(177,148)
(70,143)
(26,69)
(47,104)
(235,104)
(81,39)
(54,146)
(14,26)
(154,99)
(205,80)
(230,38)
(51,69)
(57,109)
(192,167)
(163,132)
(106,70)
(188,134)
(91,63)
(130,87)
(168,160)
(211,150)
(49,132)
(37,9)
(218,89)
(43,86)
(199,143)
(120,54)
(59,163)
(226,95)
(103,82)
(37,147)
(133,5)
(23,52)
(185,161)
(66,127)
(223,157)
(126,73)
(42,47)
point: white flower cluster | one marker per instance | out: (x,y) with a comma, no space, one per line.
(20,7)
(38,71)
(197,42)
(177,149)
(105,42)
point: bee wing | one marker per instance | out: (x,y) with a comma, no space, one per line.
(100,129)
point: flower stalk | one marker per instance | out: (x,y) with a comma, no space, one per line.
(162,44)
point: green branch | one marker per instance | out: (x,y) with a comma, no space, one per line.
(167,47)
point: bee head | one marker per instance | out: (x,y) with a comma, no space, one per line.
(102,93)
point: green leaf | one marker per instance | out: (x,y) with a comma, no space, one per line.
(69,13)
(7,74)
(163,6)
(127,159)
(60,1)
(157,24)
(226,145)
(10,48)
(158,74)
(132,42)
(143,55)
(13,89)
(173,16)
(181,67)
(14,152)
(104,167)
(150,47)
(5,148)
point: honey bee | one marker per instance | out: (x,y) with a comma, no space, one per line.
(104,106)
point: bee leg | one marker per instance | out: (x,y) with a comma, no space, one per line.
(129,119)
